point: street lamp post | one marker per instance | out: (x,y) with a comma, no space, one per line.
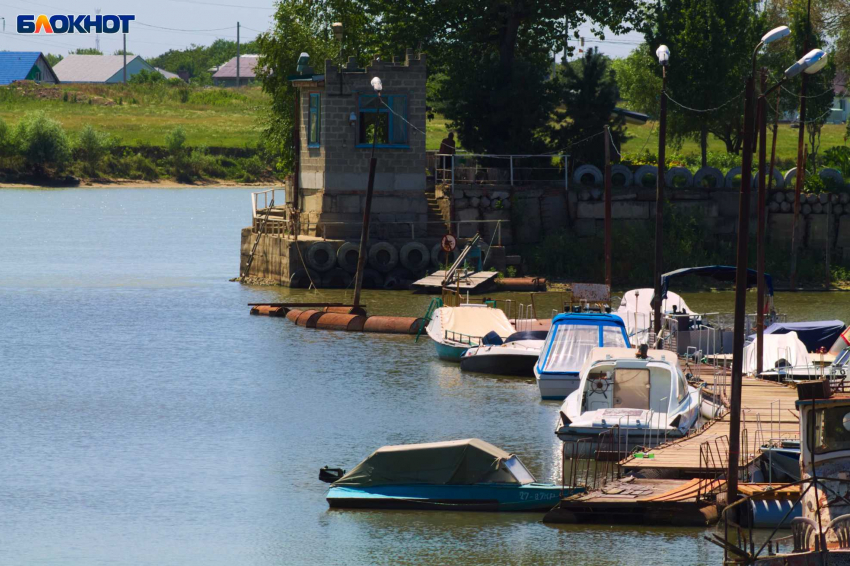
(663,54)
(741,271)
(367,207)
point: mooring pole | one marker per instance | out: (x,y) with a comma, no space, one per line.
(740,296)
(761,118)
(608,275)
(801,161)
(659,203)
(367,208)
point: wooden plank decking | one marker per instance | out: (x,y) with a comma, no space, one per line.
(767,411)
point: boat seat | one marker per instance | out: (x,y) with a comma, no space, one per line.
(803,529)
(492,339)
(841,527)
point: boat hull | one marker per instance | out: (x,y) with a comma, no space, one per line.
(478,497)
(520,365)
(556,387)
(450,353)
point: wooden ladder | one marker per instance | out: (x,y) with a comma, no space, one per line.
(260,230)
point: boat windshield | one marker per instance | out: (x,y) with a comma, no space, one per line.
(832,430)
(570,345)
(842,358)
(518,470)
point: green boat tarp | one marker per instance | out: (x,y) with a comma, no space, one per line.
(456,462)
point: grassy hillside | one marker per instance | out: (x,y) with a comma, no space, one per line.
(144,114)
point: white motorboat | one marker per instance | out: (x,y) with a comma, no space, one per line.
(456,329)
(645,394)
(636,311)
(570,339)
(514,356)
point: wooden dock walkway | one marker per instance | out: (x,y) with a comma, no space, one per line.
(767,412)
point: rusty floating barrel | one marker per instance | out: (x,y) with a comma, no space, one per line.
(393,324)
(267,310)
(521,284)
(338,321)
(293,314)
(308,318)
(346,310)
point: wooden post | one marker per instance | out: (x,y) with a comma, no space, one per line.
(607,136)
(761,117)
(659,204)
(367,211)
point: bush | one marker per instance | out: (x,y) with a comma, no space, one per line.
(92,147)
(144,168)
(175,141)
(42,142)
(184,95)
(7,146)
(253,168)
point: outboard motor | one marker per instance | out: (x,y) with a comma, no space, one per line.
(492,338)
(330,475)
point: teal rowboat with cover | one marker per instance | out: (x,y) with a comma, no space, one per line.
(456,329)
(459,475)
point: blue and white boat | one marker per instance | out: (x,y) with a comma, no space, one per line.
(458,475)
(570,340)
(456,329)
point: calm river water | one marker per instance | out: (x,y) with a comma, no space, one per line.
(148,419)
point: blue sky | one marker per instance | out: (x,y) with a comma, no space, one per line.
(208,20)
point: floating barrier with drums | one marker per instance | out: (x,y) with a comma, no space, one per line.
(337,316)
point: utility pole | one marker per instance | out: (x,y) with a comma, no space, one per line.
(761,120)
(801,161)
(238,77)
(607,135)
(125,58)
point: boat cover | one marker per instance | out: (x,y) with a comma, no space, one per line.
(776,347)
(475,321)
(456,462)
(636,308)
(573,336)
(816,334)
(718,272)
(843,341)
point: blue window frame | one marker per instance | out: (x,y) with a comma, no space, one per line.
(389,114)
(314,123)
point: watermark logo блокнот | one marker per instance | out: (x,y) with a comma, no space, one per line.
(62,23)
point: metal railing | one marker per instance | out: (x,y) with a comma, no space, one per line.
(261,200)
(512,170)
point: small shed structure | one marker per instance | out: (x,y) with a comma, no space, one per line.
(100,68)
(25,66)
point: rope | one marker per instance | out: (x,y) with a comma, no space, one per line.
(400,116)
(797,95)
(306,267)
(611,137)
(734,98)
(575,143)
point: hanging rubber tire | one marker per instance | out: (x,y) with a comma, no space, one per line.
(414,256)
(832,174)
(790,178)
(642,172)
(623,172)
(438,256)
(398,280)
(586,170)
(730,178)
(372,279)
(301,279)
(383,257)
(321,256)
(681,172)
(346,256)
(336,278)
(709,173)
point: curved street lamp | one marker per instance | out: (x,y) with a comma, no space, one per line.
(663,54)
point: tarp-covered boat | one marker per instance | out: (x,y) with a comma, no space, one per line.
(636,311)
(570,340)
(458,475)
(814,335)
(781,352)
(456,329)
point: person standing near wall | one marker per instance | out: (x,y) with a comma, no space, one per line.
(447,147)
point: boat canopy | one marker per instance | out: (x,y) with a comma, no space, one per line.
(815,334)
(717,272)
(636,309)
(475,321)
(456,462)
(574,335)
(777,347)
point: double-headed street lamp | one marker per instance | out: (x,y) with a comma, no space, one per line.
(663,54)
(810,63)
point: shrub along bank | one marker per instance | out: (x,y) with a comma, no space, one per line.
(687,243)
(38,149)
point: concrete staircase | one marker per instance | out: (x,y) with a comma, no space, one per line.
(435,215)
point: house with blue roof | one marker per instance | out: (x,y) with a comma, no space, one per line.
(25,66)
